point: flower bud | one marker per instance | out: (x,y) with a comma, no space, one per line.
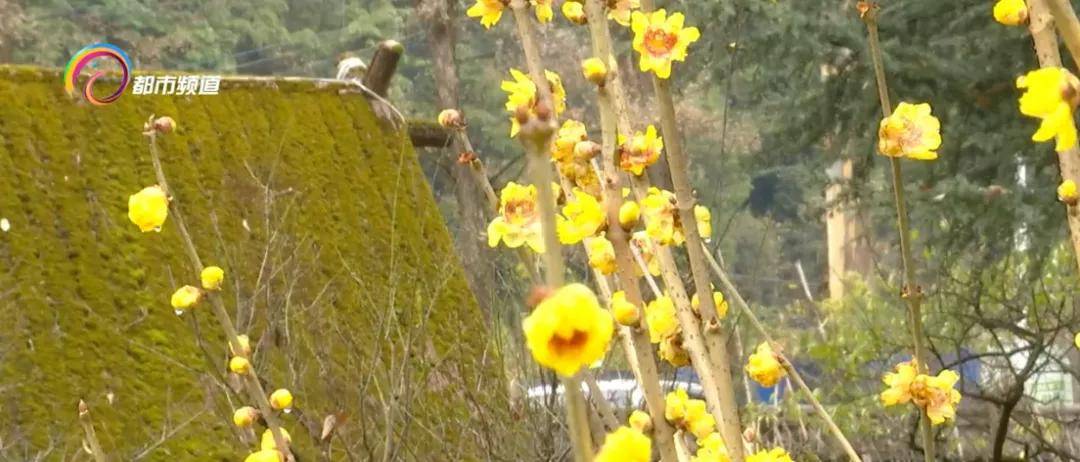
(586,150)
(629,213)
(245,416)
(185,298)
(451,118)
(211,277)
(266,455)
(594,70)
(148,208)
(164,125)
(1011,12)
(624,312)
(239,365)
(575,12)
(1067,193)
(281,399)
(270,443)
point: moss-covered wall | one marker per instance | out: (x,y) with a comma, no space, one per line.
(338,264)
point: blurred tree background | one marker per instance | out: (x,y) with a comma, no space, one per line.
(773,97)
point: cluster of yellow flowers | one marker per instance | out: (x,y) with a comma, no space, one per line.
(572,153)
(689,414)
(521,96)
(568,330)
(764,366)
(935,395)
(490,11)
(662,222)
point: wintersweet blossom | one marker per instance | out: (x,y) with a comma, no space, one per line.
(601,254)
(770,455)
(661,39)
(625,444)
(620,10)
(647,248)
(574,12)
(640,421)
(489,11)
(268,441)
(594,69)
(675,405)
(518,222)
(521,95)
(245,416)
(568,330)
(543,10)
(640,151)
(581,218)
(698,420)
(148,208)
(245,346)
(764,366)
(711,449)
(718,300)
(935,395)
(1011,12)
(671,350)
(267,455)
(661,319)
(239,365)
(281,399)
(1051,94)
(185,297)
(658,207)
(1067,192)
(629,212)
(624,312)
(211,277)
(910,131)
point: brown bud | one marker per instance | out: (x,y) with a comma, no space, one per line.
(83,408)
(586,150)
(164,124)
(522,115)
(466,157)
(543,112)
(451,118)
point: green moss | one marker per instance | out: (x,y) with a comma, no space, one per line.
(346,277)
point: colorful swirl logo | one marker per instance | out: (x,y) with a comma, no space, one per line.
(83,58)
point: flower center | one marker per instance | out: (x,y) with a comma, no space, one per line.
(520,212)
(659,42)
(564,346)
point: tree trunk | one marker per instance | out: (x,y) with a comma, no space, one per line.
(475,256)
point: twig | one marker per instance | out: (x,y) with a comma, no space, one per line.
(91,435)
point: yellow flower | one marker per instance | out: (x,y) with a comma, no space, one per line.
(661,39)
(640,420)
(1050,95)
(148,208)
(942,397)
(521,93)
(450,118)
(661,319)
(574,12)
(544,12)
(267,455)
(658,207)
(581,218)
(245,346)
(672,351)
(239,365)
(773,455)
(518,222)
(489,11)
(764,367)
(641,151)
(1076,340)
(625,445)
(675,405)
(569,135)
(244,416)
(899,383)
(704,221)
(281,399)
(211,277)
(601,254)
(568,330)
(624,312)
(647,249)
(1067,193)
(698,420)
(1011,12)
(185,298)
(718,300)
(711,449)
(911,131)
(268,442)
(629,213)
(593,69)
(619,10)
